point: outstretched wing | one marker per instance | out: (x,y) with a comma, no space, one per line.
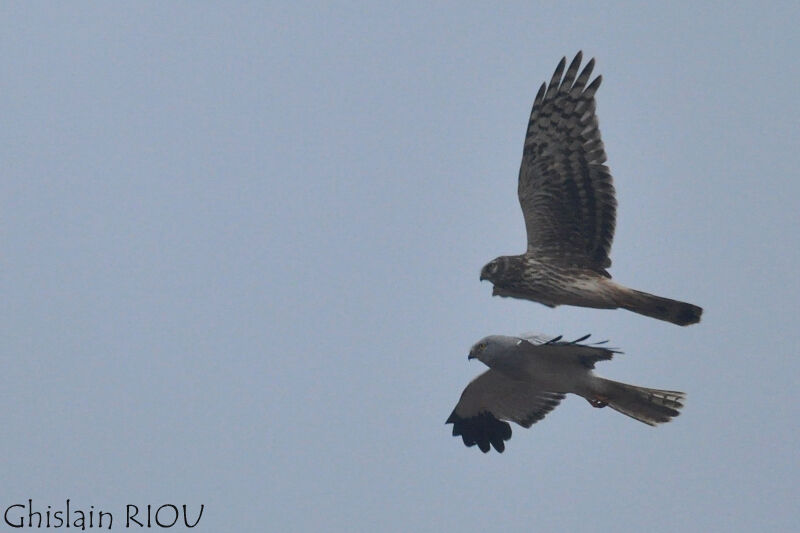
(492,398)
(586,354)
(565,190)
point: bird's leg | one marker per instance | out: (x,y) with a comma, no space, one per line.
(598,401)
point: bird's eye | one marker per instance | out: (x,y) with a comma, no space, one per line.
(482,346)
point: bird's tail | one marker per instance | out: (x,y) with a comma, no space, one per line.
(651,406)
(680,313)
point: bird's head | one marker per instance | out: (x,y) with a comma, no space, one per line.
(493,269)
(490,349)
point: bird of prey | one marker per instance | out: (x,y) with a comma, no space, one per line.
(568,202)
(527,378)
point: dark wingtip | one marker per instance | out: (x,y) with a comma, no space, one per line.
(592,88)
(576,341)
(484,430)
(554,340)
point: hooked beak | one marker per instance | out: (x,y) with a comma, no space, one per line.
(470,356)
(483,276)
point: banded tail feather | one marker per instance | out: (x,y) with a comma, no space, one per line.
(680,313)
(651,406)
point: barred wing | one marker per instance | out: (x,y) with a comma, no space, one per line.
(565,190)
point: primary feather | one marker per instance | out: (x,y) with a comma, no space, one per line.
(528,377)
(568,201)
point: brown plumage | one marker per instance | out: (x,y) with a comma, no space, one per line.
(568,201)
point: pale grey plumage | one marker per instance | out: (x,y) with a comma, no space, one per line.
(527,378)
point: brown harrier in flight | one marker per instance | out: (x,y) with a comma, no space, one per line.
(528,377)
(567,199)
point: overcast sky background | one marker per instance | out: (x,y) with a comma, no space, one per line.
(241,244)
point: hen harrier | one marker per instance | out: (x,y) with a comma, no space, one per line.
(529,376)
(568,202)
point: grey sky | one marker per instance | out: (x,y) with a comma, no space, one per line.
(241,247)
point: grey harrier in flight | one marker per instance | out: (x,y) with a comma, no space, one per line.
(528,377)
(568,202)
